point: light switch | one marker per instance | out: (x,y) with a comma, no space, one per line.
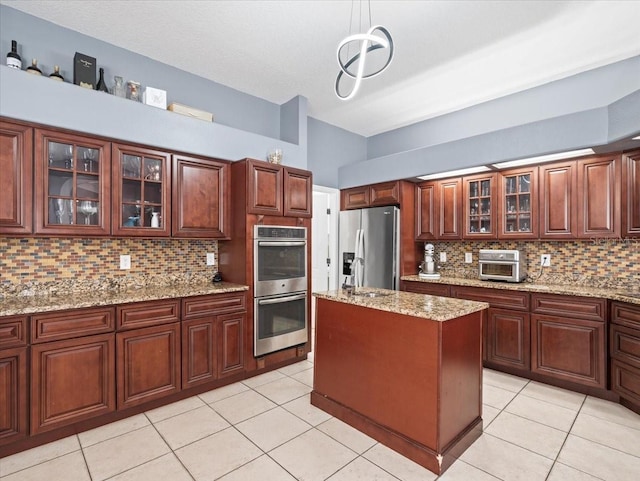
(211,259)
(443,257)
(125,262)
(468,257)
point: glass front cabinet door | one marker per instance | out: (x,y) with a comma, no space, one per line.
(73,184)
(519,199)
(479,206)
(141,192)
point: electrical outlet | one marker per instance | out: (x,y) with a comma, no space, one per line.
(545,260)
(443,257)
(125,262)
(468,257)
(211,259)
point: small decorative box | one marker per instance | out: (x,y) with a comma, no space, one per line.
(190,112)
(155,97)
(84,71)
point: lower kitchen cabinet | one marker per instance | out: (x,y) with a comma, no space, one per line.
(148,364)
(569,349)
(199,351)
(71,380)
(507,338)
(230,345)
(432,289)
(14,410)
(625,352)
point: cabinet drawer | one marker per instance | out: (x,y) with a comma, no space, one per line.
(495,297)
(153,313)
(626,314)
(429,288)
(70,324)
(13,331)
(625,380)
(193,307)
(588,308)
(625,344)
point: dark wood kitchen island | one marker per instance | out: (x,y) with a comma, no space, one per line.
(404,368)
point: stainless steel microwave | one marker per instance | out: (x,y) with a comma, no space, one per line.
(501,265)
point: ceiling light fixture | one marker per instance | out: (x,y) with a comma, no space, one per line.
(543,158)
(453,173)
(377,37)
(636,138)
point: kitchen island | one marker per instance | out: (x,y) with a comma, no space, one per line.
(404,368)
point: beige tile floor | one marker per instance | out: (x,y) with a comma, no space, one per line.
(265,429)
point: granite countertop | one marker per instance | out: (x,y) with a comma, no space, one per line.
(417,305)
(20,305)
(565,289)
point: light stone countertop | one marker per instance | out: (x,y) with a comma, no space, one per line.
(417,305)
(20,305)
(632,297)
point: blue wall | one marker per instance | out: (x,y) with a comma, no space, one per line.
(586,110)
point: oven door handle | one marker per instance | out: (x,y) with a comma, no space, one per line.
(279,300)
(282,244)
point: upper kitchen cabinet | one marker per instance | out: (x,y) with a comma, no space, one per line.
(276,190)
(141,190)
(631,194)
(439,210)
(200,197)
(518,197)
(16,181)
(72,184)
(374,195)
(480,206)
(598,187)
(298,187)
(558,200)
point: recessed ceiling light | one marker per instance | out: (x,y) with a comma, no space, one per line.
(453,173)
(543,158)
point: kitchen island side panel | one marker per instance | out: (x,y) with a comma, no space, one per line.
(460,378)
(380,364)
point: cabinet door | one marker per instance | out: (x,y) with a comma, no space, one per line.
(569,349)
(386,193)
(558,201)
(199,351)
(200,198)
(449,199)
(426,211)
(14,407)
(599,202)
(298,186)
(507,338)
(141,190)
(480,206)
(148,364)
(432,289)
(518,209)
(71,381)
(631,195)
(354,198)
(230,345)
(72,184)
(264,192)
(16,181)
(625,380)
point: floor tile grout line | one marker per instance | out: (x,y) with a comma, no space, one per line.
(555,460)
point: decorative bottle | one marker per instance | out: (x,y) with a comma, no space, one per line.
(14,60)
(33,68)
(155,219)
(101,86)
(56,75)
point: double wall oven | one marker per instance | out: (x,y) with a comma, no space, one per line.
(280,287)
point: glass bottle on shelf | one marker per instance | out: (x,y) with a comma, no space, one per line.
(118,87)
(101,86)
(33,68)
(14,60)
(56,75)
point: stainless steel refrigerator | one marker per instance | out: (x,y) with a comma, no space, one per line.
(369,247)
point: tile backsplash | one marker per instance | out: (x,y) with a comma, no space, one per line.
(613,263)
(31,266)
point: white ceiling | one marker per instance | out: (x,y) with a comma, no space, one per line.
(448,54)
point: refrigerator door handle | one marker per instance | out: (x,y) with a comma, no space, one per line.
(359,280)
